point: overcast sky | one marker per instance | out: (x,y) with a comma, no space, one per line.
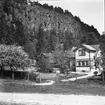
(89,11)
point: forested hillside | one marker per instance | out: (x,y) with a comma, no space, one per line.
(40,28)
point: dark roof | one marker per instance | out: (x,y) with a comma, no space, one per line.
(93,48)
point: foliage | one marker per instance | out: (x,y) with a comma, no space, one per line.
(52,40)
(95,73)
(91,36)
(30,48)
(102,47)
(59,10)
(47,6)
(61,58)
(90,39)
(40,43)
(12,30)
(68,13)
(86,27)
(13,56)
(98,62)
(68,42)
(43,64)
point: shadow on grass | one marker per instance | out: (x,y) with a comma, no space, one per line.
(21,87)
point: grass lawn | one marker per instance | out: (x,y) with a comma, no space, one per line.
(85,86)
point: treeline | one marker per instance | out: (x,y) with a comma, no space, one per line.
(50,7)
(93,35)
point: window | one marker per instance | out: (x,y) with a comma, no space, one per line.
(79,63)
(81,52)
(87,63)
(82,64)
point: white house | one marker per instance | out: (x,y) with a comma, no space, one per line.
(85,57)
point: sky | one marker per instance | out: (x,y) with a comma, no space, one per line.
(89,11)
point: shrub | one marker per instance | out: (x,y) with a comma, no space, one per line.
(32,76)
(83,70)
(95,73)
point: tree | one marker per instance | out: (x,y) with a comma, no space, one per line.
(61,58)
(59,10)
(14,57)
(40,43)
(68,42)
(52,40)
(68,13)
(102,47)
(44,64)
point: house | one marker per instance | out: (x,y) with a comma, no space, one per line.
(85,56)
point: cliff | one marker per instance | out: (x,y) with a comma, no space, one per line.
(42,27)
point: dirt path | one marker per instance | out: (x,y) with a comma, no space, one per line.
(52,99)
(77,78)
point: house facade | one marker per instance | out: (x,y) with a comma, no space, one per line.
(85,57)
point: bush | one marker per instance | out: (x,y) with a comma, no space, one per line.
(83,70)
(44,65)
(32,76)
(95,73)
(46,70)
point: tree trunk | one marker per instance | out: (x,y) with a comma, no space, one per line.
(1,72)
(28,76)
(40,79)
(13,75)
(103,76)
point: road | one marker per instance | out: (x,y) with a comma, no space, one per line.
(52,99)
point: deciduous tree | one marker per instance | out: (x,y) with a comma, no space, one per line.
(14,57)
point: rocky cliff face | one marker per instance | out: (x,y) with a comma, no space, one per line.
(20,22)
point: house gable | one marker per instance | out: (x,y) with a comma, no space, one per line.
(81,53)
(86,47)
